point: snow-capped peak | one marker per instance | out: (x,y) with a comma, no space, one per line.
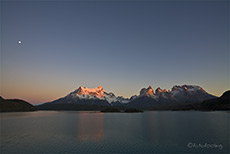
(84,91)
(96,93)
(186,88)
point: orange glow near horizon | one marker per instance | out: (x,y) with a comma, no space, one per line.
(44,92)
(33,95)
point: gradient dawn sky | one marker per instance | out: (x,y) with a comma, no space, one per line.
(121,45)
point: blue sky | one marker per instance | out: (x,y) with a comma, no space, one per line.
(122,46)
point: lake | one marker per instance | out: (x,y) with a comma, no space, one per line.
(95,132)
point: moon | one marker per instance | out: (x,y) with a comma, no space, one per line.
(19,42)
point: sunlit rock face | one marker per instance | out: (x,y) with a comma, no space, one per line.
(84,91)
(92,95)
(146,91)
(159,90)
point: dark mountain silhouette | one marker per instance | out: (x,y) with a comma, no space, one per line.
(221,103)
(71,107)
(15,105)
(76,104)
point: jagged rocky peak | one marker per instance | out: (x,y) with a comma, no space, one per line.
(159,90)
(147,92)
(190,88)
(176,90)
(109,94)
(98,92)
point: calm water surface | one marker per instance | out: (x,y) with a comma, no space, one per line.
(95,132)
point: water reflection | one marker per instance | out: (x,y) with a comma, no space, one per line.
(89,132)
(149,125)
(29,114)
(90,127)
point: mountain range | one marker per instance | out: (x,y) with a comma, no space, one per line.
(185,97)
(147,98)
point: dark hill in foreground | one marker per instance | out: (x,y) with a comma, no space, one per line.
(221,103)
(15,105)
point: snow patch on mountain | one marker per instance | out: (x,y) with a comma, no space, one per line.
(96,93)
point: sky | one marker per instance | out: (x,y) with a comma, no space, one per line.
(121,45)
